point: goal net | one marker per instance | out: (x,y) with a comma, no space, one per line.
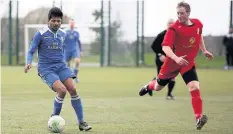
(90,55)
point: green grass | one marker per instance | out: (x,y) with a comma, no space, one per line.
(112,105)
(4,60)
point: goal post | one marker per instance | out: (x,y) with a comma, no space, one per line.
(87,37)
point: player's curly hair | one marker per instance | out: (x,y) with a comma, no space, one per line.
(55,12)
(185,5)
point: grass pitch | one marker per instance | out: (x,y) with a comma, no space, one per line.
(112,105)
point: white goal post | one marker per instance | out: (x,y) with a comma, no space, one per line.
(64,26)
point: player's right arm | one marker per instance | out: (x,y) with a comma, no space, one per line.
(33,47)
(167,44)
(79,43)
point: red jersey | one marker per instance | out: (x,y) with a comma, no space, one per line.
(184,39)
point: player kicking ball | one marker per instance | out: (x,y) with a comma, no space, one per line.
(73,47)
(51,65)
(181,45)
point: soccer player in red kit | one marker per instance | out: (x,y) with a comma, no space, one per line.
(181,45)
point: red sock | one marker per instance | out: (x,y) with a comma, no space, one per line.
(151,85)
(196,103)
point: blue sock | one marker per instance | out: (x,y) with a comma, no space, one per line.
(57,105)
(78,108)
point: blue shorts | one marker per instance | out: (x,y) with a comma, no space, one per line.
(71,54)
(56,72)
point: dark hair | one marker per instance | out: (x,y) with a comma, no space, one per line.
(185,5)
(55,12)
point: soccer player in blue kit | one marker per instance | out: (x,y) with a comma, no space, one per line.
(73,47)
(52,67)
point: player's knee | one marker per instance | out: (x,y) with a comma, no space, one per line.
(72,91)
(160,84)
(193,85)
(61,90)
(158,87)
(77,61)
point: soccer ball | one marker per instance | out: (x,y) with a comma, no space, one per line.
(56,124)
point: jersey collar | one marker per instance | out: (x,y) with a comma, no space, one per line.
(55,34)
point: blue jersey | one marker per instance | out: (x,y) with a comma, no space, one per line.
(50,48)
(72,41)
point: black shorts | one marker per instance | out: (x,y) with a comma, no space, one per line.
(188,76)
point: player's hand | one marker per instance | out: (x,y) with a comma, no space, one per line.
(181,61)
(208,55)
(162,58)
(27,67)
(81,54)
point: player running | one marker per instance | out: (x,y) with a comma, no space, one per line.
(73,47)
(52,67)
(181,45)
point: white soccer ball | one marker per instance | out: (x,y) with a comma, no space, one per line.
(56,124)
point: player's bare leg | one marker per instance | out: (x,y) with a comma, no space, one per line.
(194,88)
(150,92)
(153,85)
(76,70)
(77,104)
(61,93)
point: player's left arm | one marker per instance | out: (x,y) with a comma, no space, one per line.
(80,45)
(202,44)
(203,47)
(79,42)
(204,50)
